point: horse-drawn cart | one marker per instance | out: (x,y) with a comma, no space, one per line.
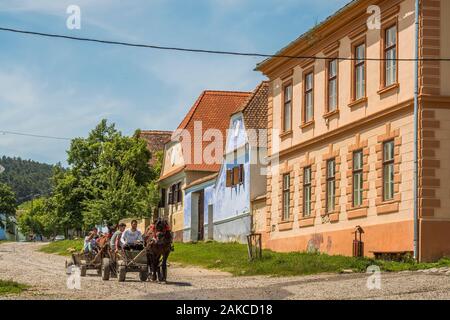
(92,260)
(126,261)
(86,261)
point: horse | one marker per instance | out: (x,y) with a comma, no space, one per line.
(159,245)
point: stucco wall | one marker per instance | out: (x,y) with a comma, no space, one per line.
(378,242)
(445,47)
(258,173)
(234,229)
(259,216)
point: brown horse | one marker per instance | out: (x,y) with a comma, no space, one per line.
(159,245)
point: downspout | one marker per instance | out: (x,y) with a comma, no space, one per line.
(416,132)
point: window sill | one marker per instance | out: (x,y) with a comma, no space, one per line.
(307,124)
(357,102)
(331,114)
(388,207)
(392,87)
(285,225)
(286,134)
(357,212)
(333,216)
(306,222)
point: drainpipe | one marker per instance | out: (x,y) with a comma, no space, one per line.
(416,133)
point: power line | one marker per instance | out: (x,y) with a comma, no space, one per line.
(32,135)
(205,51)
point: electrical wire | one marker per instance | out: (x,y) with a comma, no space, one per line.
(205,51)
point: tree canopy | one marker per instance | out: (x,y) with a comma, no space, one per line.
(108,179)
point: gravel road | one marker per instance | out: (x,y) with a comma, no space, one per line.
(46,275)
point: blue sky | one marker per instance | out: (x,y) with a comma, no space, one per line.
(64,88)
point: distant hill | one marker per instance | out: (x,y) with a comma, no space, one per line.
(26,177)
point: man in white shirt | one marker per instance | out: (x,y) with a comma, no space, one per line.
(132,238)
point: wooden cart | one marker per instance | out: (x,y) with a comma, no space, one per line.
(126,261)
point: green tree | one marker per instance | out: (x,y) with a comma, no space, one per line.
(66,201)
(108,179)
(121,197)
(8,204)
(39,218)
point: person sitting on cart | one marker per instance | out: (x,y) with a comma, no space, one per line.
(115,239)
(132,238)
(90,241)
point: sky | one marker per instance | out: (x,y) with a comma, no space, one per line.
(64,88)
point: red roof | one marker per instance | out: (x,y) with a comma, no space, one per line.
(213,109)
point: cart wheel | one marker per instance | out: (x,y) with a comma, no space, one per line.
(106,269)
(143,274)
(99,271)
(122,273)
(83,269)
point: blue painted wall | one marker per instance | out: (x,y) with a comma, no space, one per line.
(232,204)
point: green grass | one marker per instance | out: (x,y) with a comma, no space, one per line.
(233,258)
(4,241)
(62,247)
(11,287)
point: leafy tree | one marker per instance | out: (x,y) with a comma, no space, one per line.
(108,179)
(66,201)
(122,197)
(39,218)
(8,205)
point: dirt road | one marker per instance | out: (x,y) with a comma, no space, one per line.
(46,275)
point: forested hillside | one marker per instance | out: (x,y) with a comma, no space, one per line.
(26,177)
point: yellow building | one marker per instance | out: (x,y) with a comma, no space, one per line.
(343,139)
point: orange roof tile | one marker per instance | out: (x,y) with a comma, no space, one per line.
(213,109)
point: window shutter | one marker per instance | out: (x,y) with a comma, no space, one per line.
(241,174)
(235,176)
(229,178)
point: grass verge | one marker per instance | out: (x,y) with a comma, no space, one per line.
(232,257)
(63,248)
(11,287)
